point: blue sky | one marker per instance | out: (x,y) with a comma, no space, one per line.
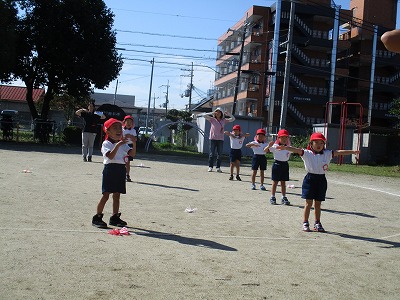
(177,24)
(176,33)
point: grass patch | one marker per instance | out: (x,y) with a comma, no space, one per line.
(387,171)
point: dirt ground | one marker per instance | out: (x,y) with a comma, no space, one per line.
(235,245)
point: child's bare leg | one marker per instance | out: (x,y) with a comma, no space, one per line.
(128,167)
(262,176)
(102,203)
(232,167)
(307,209)
(253,176)
(116,197)
(317,211)
(237,167)
(283,188)
(273,189)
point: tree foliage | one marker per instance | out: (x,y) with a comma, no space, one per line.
(8,38)
(395,109)
(67,46)
(178,115)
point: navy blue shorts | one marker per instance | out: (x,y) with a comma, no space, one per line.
(235,154)
(259,161)
(280,171)
(114,180)
(314,187)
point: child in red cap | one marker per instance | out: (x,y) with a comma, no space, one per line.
(235,155)
(259,160)
(280,167)
(316,160)
(129,132)
(115,151)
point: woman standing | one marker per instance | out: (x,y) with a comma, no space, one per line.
(89,130)
(217,119)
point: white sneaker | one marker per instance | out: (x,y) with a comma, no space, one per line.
(210,169)
(219,170)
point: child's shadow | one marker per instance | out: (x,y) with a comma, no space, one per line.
(182,239)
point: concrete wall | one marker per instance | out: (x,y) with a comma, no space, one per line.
(378,149)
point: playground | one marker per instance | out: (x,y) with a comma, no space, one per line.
(193,234)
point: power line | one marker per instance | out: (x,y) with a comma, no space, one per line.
(166,35)
(165,47)
(172,15)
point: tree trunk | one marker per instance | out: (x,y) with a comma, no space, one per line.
(29,98)
(46,102)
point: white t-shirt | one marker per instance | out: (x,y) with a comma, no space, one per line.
(260,149)
(316,163)
(131,131)
(236,142)
(281,155)
(119,158)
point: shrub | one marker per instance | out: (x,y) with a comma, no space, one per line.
(72,135)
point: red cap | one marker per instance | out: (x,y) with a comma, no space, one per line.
(236,127)
(109,123)
(261,131)
(128,117)
(283,132)
(317,136)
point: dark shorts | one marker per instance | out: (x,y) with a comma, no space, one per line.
(314,187)
(114,180)
(280,171)
(235,154)
(259,161)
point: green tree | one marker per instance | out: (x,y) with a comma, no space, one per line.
(395,109)
(8,38)
(182,116)
(67,46)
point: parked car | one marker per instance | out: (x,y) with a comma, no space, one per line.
(142,130)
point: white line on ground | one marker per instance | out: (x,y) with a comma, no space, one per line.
(314,238)
(365,187)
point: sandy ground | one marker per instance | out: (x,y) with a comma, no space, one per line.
(234,246)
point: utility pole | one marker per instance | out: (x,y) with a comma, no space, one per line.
(239,68)
(372,75)
(274,62)
(166,99)
(286,81)
(154,108)
(115,93)
(190,86)
(151,84)
(190,90)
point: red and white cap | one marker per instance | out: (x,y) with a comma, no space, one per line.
(283,132)
(128,117)
(261,131)
(236,127)
(109,123)
(317,136)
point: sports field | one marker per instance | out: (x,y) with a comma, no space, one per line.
(235,245)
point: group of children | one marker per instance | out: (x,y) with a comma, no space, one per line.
(316,160)
(119,148)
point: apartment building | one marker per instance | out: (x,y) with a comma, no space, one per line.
(334,56)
